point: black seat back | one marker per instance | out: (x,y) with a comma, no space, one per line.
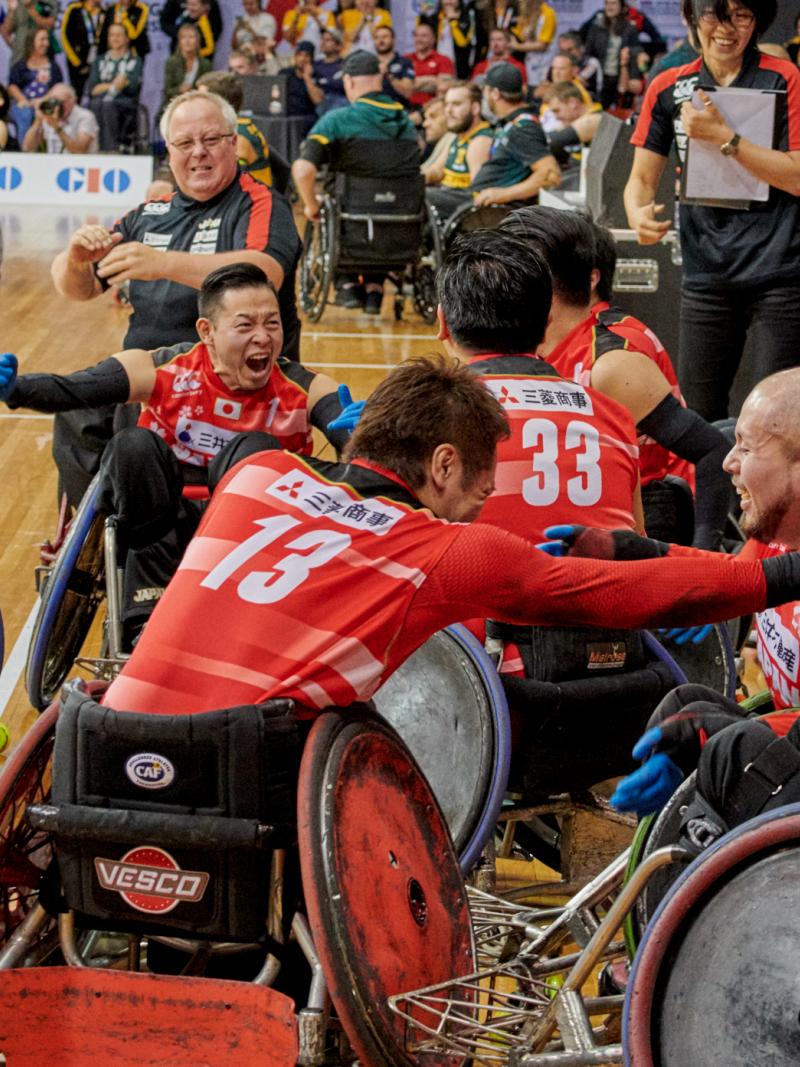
(381,219)
(168,821)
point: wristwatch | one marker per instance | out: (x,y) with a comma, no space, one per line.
(730,148)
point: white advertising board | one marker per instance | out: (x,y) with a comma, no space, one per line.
(75,181)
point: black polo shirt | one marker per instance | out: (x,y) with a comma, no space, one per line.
(244,215)
(727,246)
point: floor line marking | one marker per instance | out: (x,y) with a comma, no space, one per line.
(15,664)
(380,336)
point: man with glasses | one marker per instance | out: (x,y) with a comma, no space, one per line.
(166,248)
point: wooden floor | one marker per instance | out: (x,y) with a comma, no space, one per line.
(49,333)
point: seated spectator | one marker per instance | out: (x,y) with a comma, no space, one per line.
(114,85)
(81,24)
(133,16)
(520,162)
(185,65)
(429,66)
(61,124)
(650,37)
(499,52)
(255,30)
(360,23)
(22,21)
(242,63)
(469,149)
(251,144)
(437,138)
(684,52)
(534,37)
(8,142)
(398,72)
(305,22)
(328,72)
(577,126)
(612,40)
(590,69)
(205,14)
(564,71)
(30,80)
(302,93)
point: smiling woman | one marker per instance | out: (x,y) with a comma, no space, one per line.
(740,267)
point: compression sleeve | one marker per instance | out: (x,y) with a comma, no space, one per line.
(107,383)
(326,409)
(689,436)
(532,587)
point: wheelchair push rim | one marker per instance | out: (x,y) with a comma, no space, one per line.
(386,902)
(716,969)
(448,705)
(69,602)
(317,263)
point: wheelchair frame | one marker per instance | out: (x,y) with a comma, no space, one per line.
(321,254)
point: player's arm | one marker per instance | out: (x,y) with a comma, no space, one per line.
(126,377)
(638,508)
(73,271)
(639,197)
(134,261)
(333,410)
(477,154)
(639,385)
(545,174)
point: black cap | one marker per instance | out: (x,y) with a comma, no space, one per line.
(305,46)
(505,77)
(360,63)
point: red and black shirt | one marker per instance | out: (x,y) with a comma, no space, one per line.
(724,246)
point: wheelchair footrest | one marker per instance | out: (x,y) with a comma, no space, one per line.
(123,826)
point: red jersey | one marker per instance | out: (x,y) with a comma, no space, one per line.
(430,67)
(606,329)
(197,414)
(571,457)
(315,581)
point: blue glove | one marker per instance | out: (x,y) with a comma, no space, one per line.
(8,375)
(681,635)
(348,417)
(560,539)
(648,789)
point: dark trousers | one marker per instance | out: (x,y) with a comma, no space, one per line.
(117,121)
(447,201)
(714,326)
(141,482)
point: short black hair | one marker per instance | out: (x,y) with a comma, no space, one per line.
(605,260)
(223,280)
(495,292)
(764,11)
(566,242)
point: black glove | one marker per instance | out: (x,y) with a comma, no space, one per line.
(593,543)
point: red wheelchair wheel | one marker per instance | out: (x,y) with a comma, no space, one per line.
(385,897)
(715,977)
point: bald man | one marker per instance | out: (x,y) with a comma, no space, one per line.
(748,766)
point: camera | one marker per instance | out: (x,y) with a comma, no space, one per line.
(50,107)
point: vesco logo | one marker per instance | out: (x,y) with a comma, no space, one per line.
(150,771)
(149,880)
(89,179)
(10,178)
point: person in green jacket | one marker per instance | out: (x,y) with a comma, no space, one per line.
(185,65)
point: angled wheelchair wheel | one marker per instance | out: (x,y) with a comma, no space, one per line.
(386,902)
(317,263)
(72,592)
(715,978)
(448,705)
(712,662)
(25,853)
(655,832)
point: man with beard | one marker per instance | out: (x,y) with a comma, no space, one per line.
(397,71)
(747,766)
(470,148)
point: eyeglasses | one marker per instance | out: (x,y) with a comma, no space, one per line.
(740,18)
(210,142)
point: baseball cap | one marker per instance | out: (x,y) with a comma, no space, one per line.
(360,63)
(505,77)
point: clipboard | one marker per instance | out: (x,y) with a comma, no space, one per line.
(713,180)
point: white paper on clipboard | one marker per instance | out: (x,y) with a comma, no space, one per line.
(712,176)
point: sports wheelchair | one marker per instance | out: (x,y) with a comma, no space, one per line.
(233,843)
(371,224)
